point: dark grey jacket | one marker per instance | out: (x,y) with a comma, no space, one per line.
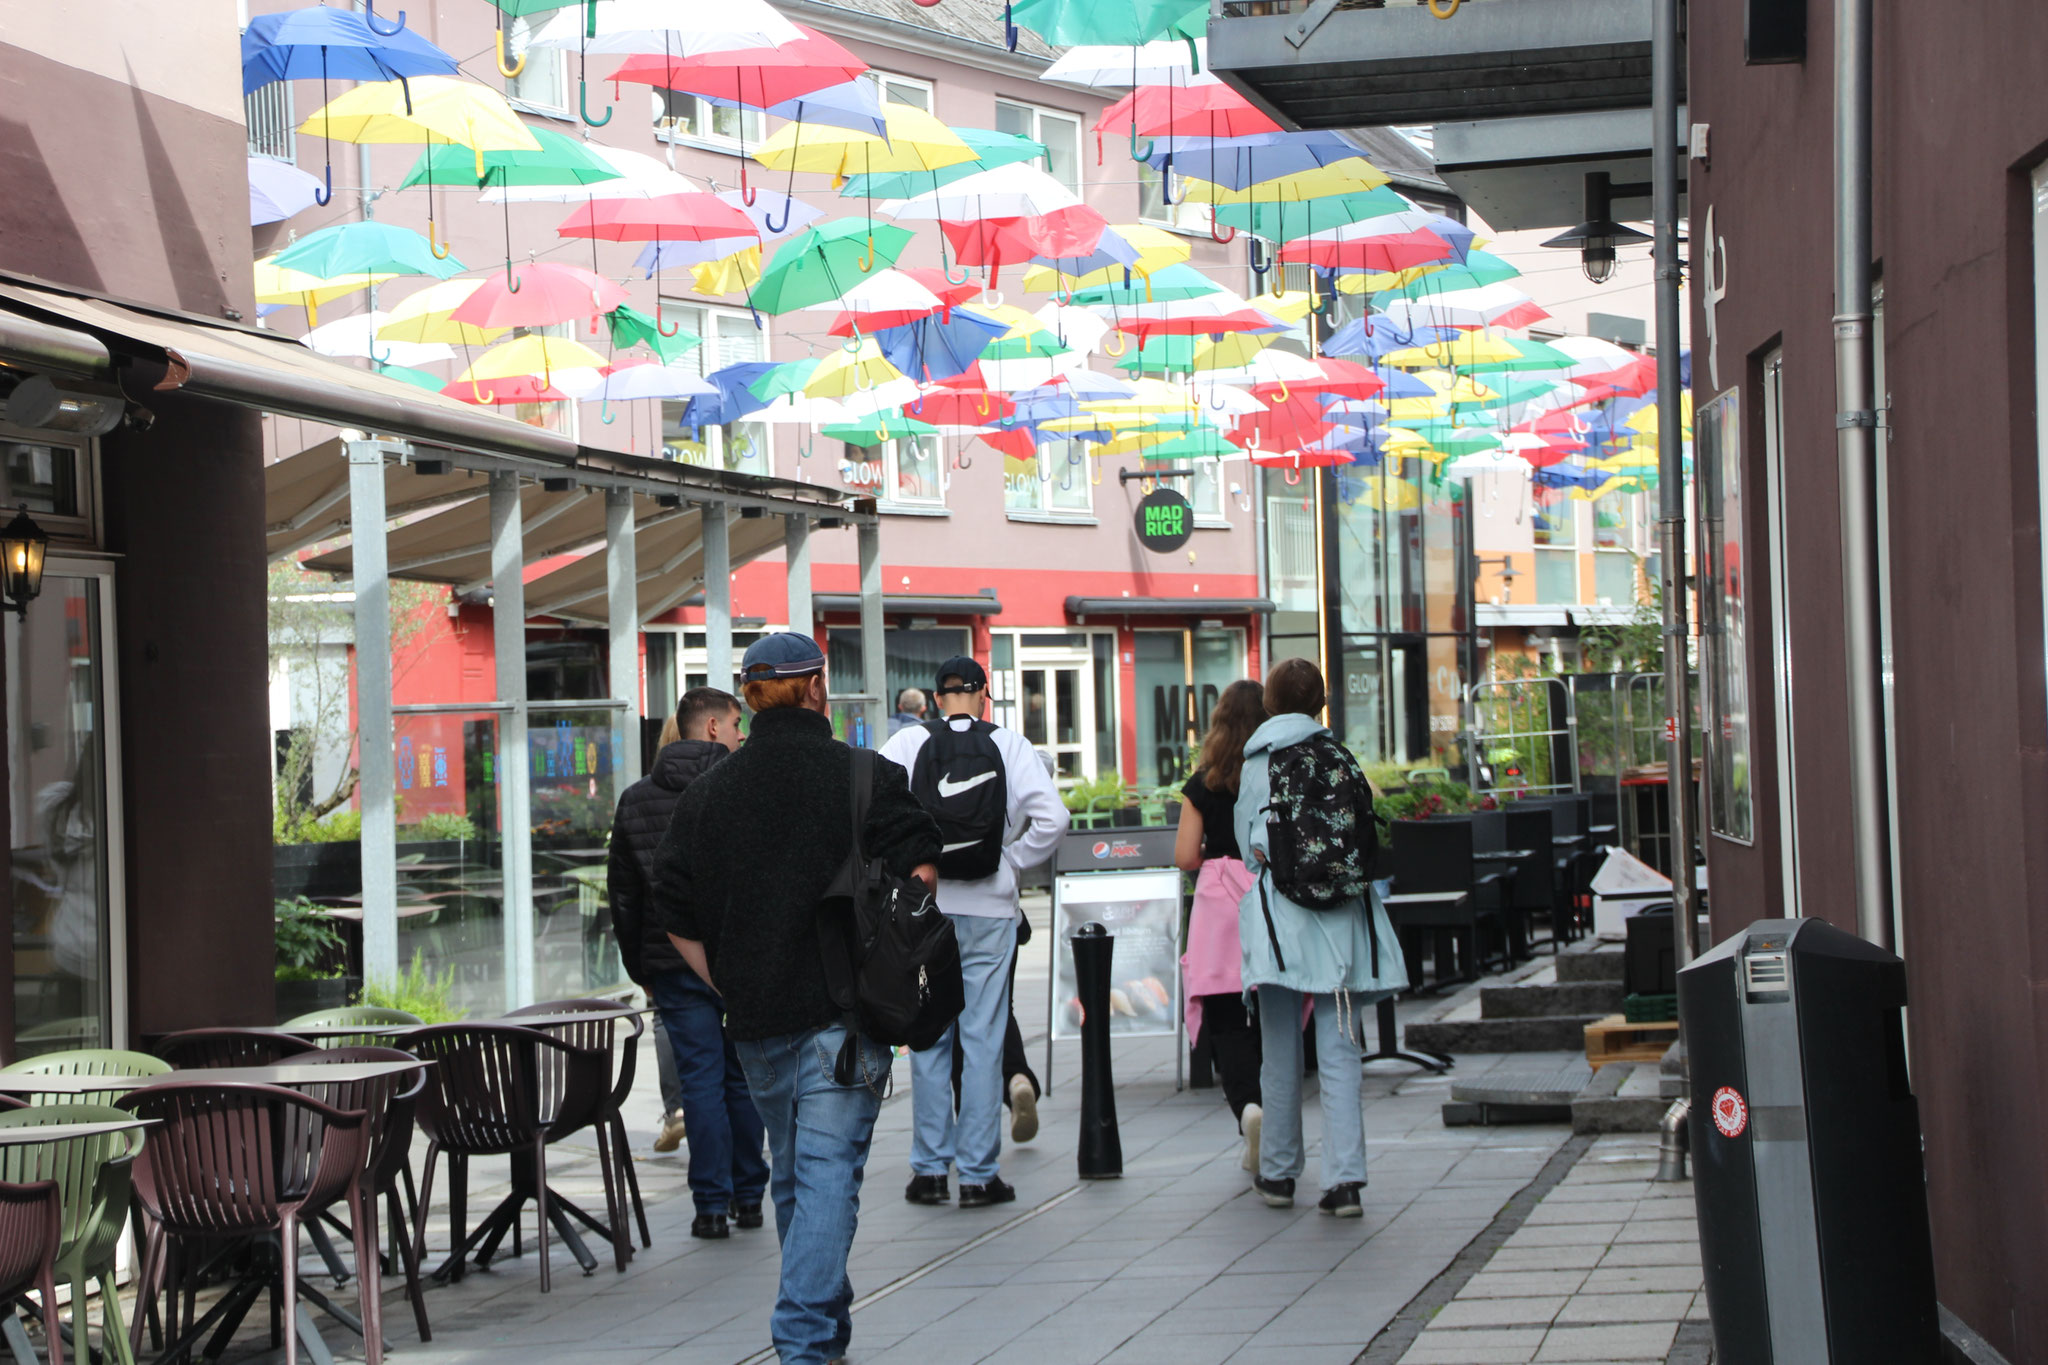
(642,819)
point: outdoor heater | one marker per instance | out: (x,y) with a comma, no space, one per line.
(1806,1149)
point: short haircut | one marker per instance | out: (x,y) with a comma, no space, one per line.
(776,694)
(1295,686)
(910,699)
(701,704)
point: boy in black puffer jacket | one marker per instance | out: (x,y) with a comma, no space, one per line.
(727,1171)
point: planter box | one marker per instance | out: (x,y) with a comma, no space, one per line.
(295,998)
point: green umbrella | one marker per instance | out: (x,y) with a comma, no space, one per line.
(826,261)
(1127,23)
(1285,222)
(788,378)
(1200,443)
(419,379)
(1036,346)
(1480,268)
(630,327)
(1534,356)
(560,161)
(513,9)
(1512,390)
(883,426)
(367,248)
(1160,355)
(1172,283)
(991,149)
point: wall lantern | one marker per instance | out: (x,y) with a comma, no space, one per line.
(1597,237)
(23,545)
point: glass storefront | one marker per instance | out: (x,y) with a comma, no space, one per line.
(1180,674)
(912,659)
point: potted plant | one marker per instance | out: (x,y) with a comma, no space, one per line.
(309,949)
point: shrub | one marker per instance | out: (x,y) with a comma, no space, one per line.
(1099,793)
(342,827)
(429,996)
(436,827)
(305,936)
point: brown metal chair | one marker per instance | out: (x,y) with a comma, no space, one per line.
(244,1162)
(229,1047)
(504,1090)
(600,1034)
(31,1227)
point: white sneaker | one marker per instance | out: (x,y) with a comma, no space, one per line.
(1023,1110)
(671,1135)
(1250,1121)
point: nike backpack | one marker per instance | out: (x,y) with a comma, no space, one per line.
(959,779)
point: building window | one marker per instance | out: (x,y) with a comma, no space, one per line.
(1180,215)
(1557,536)
(1210,492)
(1724,617)
(901,89)
(730,338)
(682,117)
(904,473)
(543,82)
(1056,483)
(268,112)
(1061,134)
(1176,694)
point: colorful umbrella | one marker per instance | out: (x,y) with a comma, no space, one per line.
(1239,163)
(367,247)
(916,142)
(991,149)
(424,317)
(848,371)
(557,160)
(278,190)
(433,109)
(675,217)
(631,327)
(539,294)
(525,388)
(1212,111)
(316,43)
(855,104)
(1284,220)
(939,347)
(356,335)
(1129,23)
(755,77)
(532,355)
(1164,61)
(665,27)
(279,285)
(639,176)
(825,261)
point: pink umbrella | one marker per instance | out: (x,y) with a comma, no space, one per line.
(669,218)
(524,388)
(539,294)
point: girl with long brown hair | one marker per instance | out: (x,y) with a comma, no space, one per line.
(1218,1019)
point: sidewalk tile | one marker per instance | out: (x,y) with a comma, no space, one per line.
(1647,1306)
(1507,1284)
(1518,1312)
(1636,1341)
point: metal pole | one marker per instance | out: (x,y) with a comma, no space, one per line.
(796,557)
(1671,472)
(874,655)
(719,669)
(515,762)
(622,592)
(374,738)
(1856,449)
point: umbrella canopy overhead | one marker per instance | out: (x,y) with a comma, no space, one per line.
(672,218)
(826,261)
(665,27)
(916,142)
(425,316)
(367,247)
(1112,66)
(318,44)
(991,149)
(753,76)
(278,190)
(432,109)
(558,160)
(1066,23)
(638,176)
(539,294)
(356,336)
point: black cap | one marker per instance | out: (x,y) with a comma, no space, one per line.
(965,669)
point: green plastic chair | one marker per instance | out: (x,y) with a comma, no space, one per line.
(92,1061)
(369,1015)
(92,1175)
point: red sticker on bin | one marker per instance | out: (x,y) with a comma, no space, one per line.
(1731,1114)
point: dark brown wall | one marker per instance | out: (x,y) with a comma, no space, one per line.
(1962,116)
(184,507)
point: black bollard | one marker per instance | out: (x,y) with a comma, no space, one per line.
(1101,1154)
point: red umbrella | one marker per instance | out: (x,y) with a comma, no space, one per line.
(1341,378)
(755,76)
(1071,231)
(1293,423)
(1393,251)
(1018,442)
(936,281)
(694,217)
(1631,380)
(1245,319)
(1196,111)
(525,388)
(962,408)
(1311,458)
(540,294)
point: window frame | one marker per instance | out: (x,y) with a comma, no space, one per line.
(880,77)
(1187,218)
(523,102)
(1044,163)
(1044,511)
(890,460)
(79,532)
(708,357)
(277,94)
(664,126)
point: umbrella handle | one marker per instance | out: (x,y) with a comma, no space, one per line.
(659,326)
(1293,472)
(1259,266)
(370,18)
(1166,181)
(1215,406)
(1120,350)
(1251,441)
(1283,394)
(1222,241)
(376,359)
(859,375)
(1137,155)
(948,271)
(1195,56)
(788,207)
(1443,9)
(748,194)
(583,108)
(604,411)
(991,298)
(853,339)
(324,197)
(480,396)
(513,284)
(439,247)
(981,406)
(508,72)
(865,263)
(1009,28)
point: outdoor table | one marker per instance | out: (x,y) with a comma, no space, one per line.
(62,1132)
(289,1074)
(1422,910)
(1502,855)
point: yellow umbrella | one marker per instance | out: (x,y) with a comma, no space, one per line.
(281,284)
(1156,247)
(423,317)
(844,372)
(1020,323)
(728,274)
(1353,175)
(1473,348)
(1149,397)
(1231,350)
(916,142)
(1373,281)
(532,355)
(1393,495)
(441,109)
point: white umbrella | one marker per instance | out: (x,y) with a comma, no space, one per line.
(650,381)
(885,291)
(1591,354)
(1018,190)
(1267,367)
(678,28)
(278,189)
(640,177)
(356,336)
(1164,62)
(1225,398)
(796,409)
(1460,308)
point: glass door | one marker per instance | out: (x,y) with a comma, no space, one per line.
(63,814)
(1059,718)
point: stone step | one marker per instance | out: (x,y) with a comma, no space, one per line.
(1575,998)
(1672,1081)
(1590,960)
(1555,1033)
(1622,1098)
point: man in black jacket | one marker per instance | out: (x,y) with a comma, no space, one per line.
(739,879)
(727,1171)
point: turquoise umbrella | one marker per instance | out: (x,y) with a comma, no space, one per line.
(826,261)
(367,248)
(1173,283)
(881,427)
(788,378)
(630,327)
(1479,269)
(1285,222)
(991,149)
(1124,23)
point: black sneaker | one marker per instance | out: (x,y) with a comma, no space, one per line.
(1341,1201)
(927,1189)
(748,1216)
(1278,1193)
(710,1226)
(981,1196)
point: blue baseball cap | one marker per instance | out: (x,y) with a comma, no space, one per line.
(783,655)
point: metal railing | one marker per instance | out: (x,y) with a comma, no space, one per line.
(1524,737)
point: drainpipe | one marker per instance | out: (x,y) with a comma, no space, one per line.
(1674,1135)
(1664,60)
(1856,449)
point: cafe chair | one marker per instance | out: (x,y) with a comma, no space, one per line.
(31,1225)
(369,1016)
(209,1047)
(598,1034)
(92,1178)
(94,1061)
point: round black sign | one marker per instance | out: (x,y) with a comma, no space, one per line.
(1164,521)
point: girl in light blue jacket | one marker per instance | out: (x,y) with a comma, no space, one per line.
(1329,966)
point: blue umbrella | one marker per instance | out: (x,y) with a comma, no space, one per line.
(856,105)
(278,189)
(1456,233)
(735,397)
(1240,162)
(318,43)
(938,346)
(656,257)
(1384,338)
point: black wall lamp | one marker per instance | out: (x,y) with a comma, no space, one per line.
(23,547)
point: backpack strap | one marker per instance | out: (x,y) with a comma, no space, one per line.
(833,927)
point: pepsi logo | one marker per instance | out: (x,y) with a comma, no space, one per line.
(1100,850)
(1106,850)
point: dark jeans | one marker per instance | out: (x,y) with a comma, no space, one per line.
(722,1127)
(1230,1033)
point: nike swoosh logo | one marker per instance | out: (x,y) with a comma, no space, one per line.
(948,789)
(955,848)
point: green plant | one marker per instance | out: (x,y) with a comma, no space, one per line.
(437,826)
(1095,793)
(342,827)
(305,935)
(427,995)
(1421,800)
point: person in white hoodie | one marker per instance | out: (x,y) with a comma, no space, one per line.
(959,765)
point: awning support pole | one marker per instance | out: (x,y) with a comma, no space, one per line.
(719,667)
(874,654)
(515,764)
(621,571)
(375,785)
(796,554)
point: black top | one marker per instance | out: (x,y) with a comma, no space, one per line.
(750,852)
(642,819)
(1217,809)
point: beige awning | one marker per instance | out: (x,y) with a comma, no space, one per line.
(305,496)
(453,546)
(671,557)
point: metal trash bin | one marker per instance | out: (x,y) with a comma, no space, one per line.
(1806,1150)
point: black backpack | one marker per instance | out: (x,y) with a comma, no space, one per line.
(892,964)
(959,778)
(1321,838)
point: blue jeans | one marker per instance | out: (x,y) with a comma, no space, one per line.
(720,1124)
(1339,1074)
(818,1137)
(972,1142)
